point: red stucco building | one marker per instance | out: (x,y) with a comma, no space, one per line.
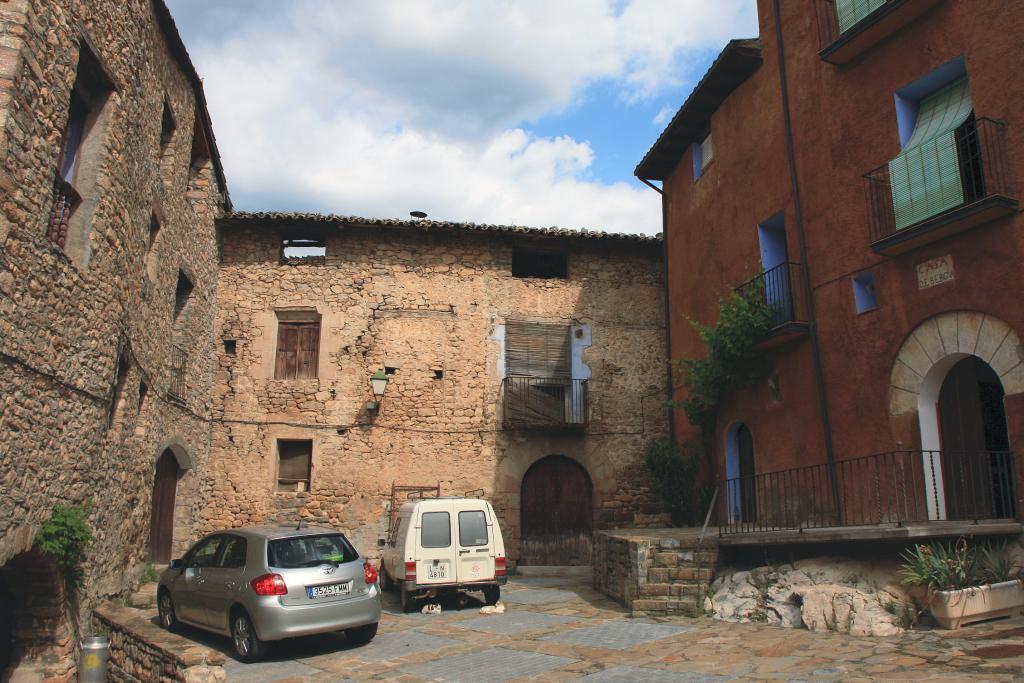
(855,164)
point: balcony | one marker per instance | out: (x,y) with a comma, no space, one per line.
(864,24)
(781,288)
(179,363)
(976,189)
(888,495)
(545,403)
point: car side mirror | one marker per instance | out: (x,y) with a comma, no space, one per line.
(381,542)
(176,564)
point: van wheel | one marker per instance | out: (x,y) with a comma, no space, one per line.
(361,635)
(409,602)
(492,594)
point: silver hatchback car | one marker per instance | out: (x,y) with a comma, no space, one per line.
(262,584)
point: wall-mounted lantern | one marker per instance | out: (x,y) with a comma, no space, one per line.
(379,383)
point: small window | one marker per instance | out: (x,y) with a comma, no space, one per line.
(298,345)
(435,530)
(302,248)
(200,158)
(864,296)
(143,392)
(294,465)
(542,264)
(472,528)
(233,554)
(702,153)
(182,296)
(117,398)
(167,127)
(152,264)
(230,346)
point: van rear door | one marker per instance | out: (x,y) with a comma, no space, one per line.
(475,544)
(435,553)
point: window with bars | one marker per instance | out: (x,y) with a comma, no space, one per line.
(298,345)
(294,465)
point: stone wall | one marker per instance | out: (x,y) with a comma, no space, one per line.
(68,315)
(432,307)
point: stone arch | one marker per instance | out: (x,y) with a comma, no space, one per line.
(181,451)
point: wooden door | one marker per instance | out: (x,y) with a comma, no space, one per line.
(555,513)
(161,521)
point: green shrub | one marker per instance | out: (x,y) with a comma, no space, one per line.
(149,574)
(731,362)
(65,537)
(673,475)
(942,567)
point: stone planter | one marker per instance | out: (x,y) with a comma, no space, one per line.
(953,609)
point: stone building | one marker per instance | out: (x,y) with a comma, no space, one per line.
(875,146)
(525,364)
(109,187)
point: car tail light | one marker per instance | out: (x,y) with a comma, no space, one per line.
(499,566)
(410,571)
(369,573)
(269,584)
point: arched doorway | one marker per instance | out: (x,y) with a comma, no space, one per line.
(973,435)
(161,521)
(556,513)
(739,471)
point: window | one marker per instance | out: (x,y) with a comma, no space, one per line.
(79,159)
(302,248)
(537,349)
(152,264)
(310,551)
(167,127)
(232,555)
(200,158)
(435,530)
(541,264)
(864,296)
(849,12)
(703,154)
(294,465)
(117,396)
(204,554)
(298,345)
(182,297)
(472,528)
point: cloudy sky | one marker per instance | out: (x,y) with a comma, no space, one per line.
(527,112)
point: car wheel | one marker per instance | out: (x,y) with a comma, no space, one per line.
(492,594)
(248,647)
(165,607)
(409,603)
(361,635)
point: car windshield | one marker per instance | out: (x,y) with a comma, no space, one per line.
(310,551)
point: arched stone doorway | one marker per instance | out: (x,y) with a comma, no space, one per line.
(954,370)
(556,513)
(161,521)
(739,471)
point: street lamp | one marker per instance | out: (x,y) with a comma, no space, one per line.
(379,383)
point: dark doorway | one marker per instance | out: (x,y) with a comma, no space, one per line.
(555,513)
(161,521)
(974,440)
(748,484)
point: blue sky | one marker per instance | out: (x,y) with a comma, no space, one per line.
(527,112)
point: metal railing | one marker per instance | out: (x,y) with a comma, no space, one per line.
(980,162)
(545,402)
(65,199)
(179,363)
(887,488)
(781,288)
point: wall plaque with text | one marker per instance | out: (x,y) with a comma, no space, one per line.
(935,272)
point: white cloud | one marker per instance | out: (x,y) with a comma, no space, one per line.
(377,108)
(664,115)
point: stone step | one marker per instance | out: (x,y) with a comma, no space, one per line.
(652,606)
(685,557)
(667,575)
(144,598)
(671,590)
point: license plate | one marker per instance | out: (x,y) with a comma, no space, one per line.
(329,590)
(437,571)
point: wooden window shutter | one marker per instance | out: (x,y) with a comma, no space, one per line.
(537,349)
(287,351)
(309,345)
(298,345)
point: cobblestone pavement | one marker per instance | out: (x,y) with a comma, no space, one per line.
(576,633)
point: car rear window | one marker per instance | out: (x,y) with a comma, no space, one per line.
(436,531)
(472,528)
(310,551)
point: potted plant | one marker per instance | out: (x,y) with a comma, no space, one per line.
(965,583)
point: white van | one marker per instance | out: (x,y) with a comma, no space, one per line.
(444,544)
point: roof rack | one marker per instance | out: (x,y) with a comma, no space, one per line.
(411,493)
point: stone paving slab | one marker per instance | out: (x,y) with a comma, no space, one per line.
(539,596)
(540,581)
(399,644)
(268,672)
(513,623)
(635,674)
(494,665)
(617,636)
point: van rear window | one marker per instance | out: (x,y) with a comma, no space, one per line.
(472,528)
(310,551)
(436,530)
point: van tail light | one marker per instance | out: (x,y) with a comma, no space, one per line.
(410,571)
(369,573)
(499,566)
(269,584)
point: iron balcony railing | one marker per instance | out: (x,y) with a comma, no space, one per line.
(539,402)
(179,363)
(909,185)
(781,288)
(888,488)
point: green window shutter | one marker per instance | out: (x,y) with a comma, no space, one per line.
(925,176)
(852,11)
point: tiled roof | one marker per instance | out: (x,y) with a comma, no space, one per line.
(238,217)
(736,63)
